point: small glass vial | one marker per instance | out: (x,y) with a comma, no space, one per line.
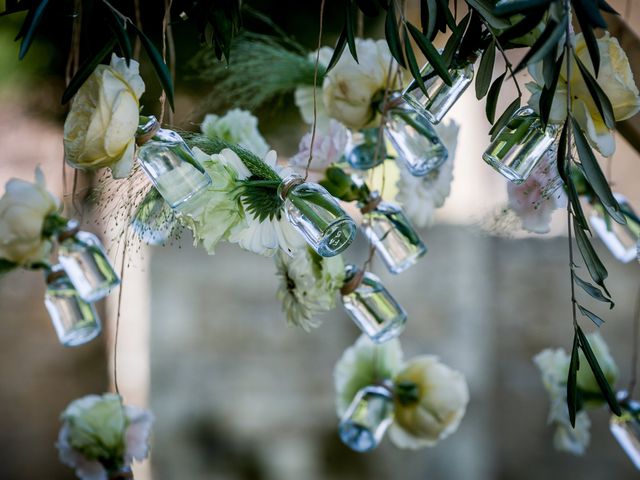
(520,145)
(413,137)
(317,216)
(371,306)
(626,428)
(621,240)
(75,320)
(365,149)
(367,418)
(83,258)
(440,96)
(391,233)
(170,164)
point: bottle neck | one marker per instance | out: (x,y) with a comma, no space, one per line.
(287,184)
(147,129)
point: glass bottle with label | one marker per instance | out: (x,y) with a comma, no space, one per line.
(366,420)
(85,261)
(317,216)
(371,306)
(74,320)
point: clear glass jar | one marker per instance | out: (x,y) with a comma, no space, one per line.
(441,96)
(391,233)
(74,320)
(363,150)
(371,306)
(621,240)
(520,145)
(413,137)
(366,420)
(626,428)
(317,216)
(170,164)
(83,258)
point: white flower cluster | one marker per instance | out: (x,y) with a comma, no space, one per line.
(101,437)
(554,368)
(442,393)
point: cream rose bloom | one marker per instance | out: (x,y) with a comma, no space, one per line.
(442,401)
(616,80)
(237,127)
(101,126)
(350,88)
(23,209)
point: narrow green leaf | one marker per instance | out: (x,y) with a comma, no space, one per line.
(593,291)
(592,12)
(338,49)
(452,45)
(605,7)
(119,30)
(594,265)
(158,64)
(519,6)
(34,21)
(572,381)
(599,97)
(413,64)
(86,69)
(432,55)
(590,39)
(549,90)
(594,175)
(530,21)
(485,8)
(591,316)
(428,15)
(504,118)
(605,388)
(485,71)
(547,42)
(350,27)
(449,19)
(392,35)
(492,97)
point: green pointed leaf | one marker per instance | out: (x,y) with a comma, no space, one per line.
(524,26)
(338,49)
(485,71)
(591,11)
(33,20)
(449,19)
(593,174)
(599,97)
(492,97)
(486,10)
(86,69)
(432,55)
(350,29)
(392,35)
(594,265)
(590,39)
(119,30)
(413,64)
(605,388)
(519,6)
(605,7)
(158,64)
(428,16)
(593,291)
(504,118)
(572,381)
(549,90)
(546,43)
(452,45)
(591,316)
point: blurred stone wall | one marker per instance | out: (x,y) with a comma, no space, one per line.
(239,395)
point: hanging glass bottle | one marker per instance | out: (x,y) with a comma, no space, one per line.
(366,420)
(440,97)
(520,144)
(74,320)
(621,240)
(317,216)
(371,306)
(415,141)
(391,233)
(170,165)
(626,428)
(365,149)
(83,258)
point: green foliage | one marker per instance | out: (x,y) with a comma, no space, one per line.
(218,22)
(341,185)
(572,380)
(6,266)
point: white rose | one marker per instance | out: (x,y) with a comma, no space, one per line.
(616,80)
(238,127)
(101,126)
(23,209)
(349,89)
(442,401)
(303,96)
(364,363)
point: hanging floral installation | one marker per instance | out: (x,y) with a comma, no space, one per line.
(369,105)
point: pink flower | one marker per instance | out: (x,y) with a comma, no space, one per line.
(328,147)
(535,200)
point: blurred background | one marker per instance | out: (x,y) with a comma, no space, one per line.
(202,341)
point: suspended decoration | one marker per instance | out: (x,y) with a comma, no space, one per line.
(369,106)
